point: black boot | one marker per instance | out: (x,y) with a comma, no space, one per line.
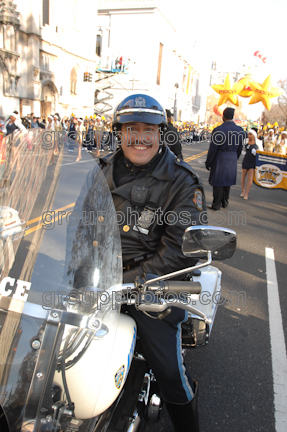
(185,417)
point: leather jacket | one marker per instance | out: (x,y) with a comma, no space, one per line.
(153,211)
(175,147)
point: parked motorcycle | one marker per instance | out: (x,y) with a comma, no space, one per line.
(69,360)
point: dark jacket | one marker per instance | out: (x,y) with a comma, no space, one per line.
(224,150)
(172,187)
(173,141)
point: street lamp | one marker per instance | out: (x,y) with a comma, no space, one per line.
(175,103)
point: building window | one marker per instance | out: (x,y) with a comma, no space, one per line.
(46,12)
(99,45)
(73,82)
(159,64)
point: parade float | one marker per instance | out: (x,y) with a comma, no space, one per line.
(271,168)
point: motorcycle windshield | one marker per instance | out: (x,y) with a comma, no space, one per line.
(60,263)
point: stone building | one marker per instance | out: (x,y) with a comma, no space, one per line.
(45,48)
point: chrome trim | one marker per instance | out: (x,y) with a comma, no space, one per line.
(147,390)
(140,110)
(154,408)
(215,305)
(181,272)
(34,310)
(155,307)
(208,228)
(8,304)
(134,422)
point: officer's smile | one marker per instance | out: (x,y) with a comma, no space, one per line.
(134,149)
(139,147)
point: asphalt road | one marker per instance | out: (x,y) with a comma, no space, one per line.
(235,372)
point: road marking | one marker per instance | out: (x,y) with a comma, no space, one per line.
(35,228)
(40,217)
(195,156)
(278,347)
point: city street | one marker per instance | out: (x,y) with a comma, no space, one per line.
(87,339)
(236,379)
(244,365)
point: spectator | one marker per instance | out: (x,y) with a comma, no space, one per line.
(172,137)
(14,123)
(34,123)
(79,129)
(248,164)
(281,144)
(50,124)
(66,124)
(72,135)
(269,142)
(90,135)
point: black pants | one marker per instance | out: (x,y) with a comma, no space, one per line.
(220,196)
(161,343)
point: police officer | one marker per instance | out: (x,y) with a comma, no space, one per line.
(172,137)
(164,196)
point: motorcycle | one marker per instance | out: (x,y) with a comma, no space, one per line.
(70,361)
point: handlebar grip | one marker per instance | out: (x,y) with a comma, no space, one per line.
(182,286)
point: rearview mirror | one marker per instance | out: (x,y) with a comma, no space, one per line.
(199,240)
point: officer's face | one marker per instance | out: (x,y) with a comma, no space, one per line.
(140,142)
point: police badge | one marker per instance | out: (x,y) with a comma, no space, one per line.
(198,199)
(119,377)
(140,101)
(146,219)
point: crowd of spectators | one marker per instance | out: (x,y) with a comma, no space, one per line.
(96,131)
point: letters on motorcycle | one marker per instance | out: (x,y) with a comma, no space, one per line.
(19,293)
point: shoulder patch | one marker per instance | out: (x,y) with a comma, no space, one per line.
(198,199)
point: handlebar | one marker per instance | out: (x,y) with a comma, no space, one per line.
(178,287)
(182,287)
(161,288)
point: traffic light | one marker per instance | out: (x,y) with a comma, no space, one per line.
(88,77)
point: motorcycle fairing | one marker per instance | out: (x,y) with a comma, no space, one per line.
(63,263)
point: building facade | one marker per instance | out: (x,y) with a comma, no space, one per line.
(140,35)
(45,48)
(218,77)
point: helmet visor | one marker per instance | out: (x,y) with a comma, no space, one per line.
(142,115)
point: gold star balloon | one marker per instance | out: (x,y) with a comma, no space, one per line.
(227,93)
(246,92)
(264,92)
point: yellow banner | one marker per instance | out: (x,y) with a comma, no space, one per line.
(271,170)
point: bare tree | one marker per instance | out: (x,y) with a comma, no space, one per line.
(274,115)
(282,100)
